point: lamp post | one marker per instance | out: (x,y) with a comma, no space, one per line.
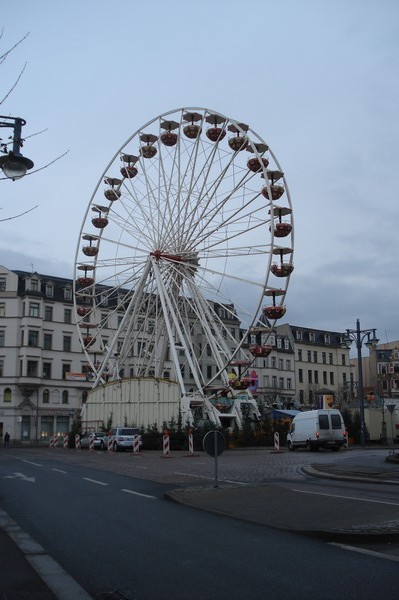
(358,336)
(14,164)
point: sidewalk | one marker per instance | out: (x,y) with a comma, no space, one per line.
(324,515)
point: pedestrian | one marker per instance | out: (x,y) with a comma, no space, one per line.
(6,439)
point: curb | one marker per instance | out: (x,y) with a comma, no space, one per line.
(314,472)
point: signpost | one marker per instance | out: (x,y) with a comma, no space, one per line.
(214,443)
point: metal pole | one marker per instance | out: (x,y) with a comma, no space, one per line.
(216,458)
(360,383)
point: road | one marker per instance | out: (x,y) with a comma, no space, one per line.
(105,520)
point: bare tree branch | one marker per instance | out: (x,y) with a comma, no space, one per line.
(41,168)
(20,215)
(14,85)
(4,56)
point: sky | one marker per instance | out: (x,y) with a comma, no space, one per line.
(317,79)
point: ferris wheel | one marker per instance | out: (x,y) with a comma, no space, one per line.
(185,252)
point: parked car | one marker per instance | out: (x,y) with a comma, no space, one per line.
(100,440)
(122,438)
(314,429)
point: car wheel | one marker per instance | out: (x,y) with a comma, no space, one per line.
(102,445)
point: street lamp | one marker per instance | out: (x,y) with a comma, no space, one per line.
(14,164)
(358,336)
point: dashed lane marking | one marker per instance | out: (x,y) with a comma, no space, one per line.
(58,470)
(139,494)
(31,462)
(95,481)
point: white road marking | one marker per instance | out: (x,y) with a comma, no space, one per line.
(138,494)
(192,475)
(31,462)
(235,482)
(59,470)
(20,476)
(365,551)
(346,497)
(95,481)
(138,467)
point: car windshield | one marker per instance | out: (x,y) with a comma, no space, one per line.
(128,431)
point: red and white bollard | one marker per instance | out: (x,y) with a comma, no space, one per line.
(66,441)
(190,442)
(136,445)
(165,444)
(91,441)
(77,441)
(276,441)
(110,444)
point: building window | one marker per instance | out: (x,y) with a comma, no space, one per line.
(300,355)
(2,337)
(273,360)
(3,284)
(300,375)
(281,383)
(46,370)
(274,381)
(47,341)
(316,377)
(33,338)
(34,285)
(280,364)
(298,334)
(326,338)
(324,358)
(34,309)
(309,356)
(67,315)
(286,344)
(32,370)
(315,356)
(311,336)
(2,309)
(1,368)
(67,342)
(48,313)
(46,397)
(49,290)
(7,396)
(104,320)
(331,377)
(67,293)
(65,397)
(344,379)
(279,343)
(310,378)
(324,377)
(343,359)
(289,383)
(66,368)
(288,365)
(209,371)
(330,358)
(266,381)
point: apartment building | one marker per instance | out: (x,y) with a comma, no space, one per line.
(41,363)
(321,363)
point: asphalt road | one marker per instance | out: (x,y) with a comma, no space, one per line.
(115,531)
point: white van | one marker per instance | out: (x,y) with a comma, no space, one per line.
(314,429)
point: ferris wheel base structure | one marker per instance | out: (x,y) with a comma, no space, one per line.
(146,401)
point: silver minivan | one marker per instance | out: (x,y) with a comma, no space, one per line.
(122,438)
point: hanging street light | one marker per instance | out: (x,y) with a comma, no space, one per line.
(358,336)
(13,163)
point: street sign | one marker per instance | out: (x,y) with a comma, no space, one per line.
(214,443)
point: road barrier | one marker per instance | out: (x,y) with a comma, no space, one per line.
(91,441)
(276,441)
(166,444)
(136,445)
(110,444)
(77,441)
(66,441)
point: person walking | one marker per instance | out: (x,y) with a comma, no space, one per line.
(6,439)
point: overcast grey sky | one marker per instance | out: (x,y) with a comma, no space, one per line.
(317,79)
